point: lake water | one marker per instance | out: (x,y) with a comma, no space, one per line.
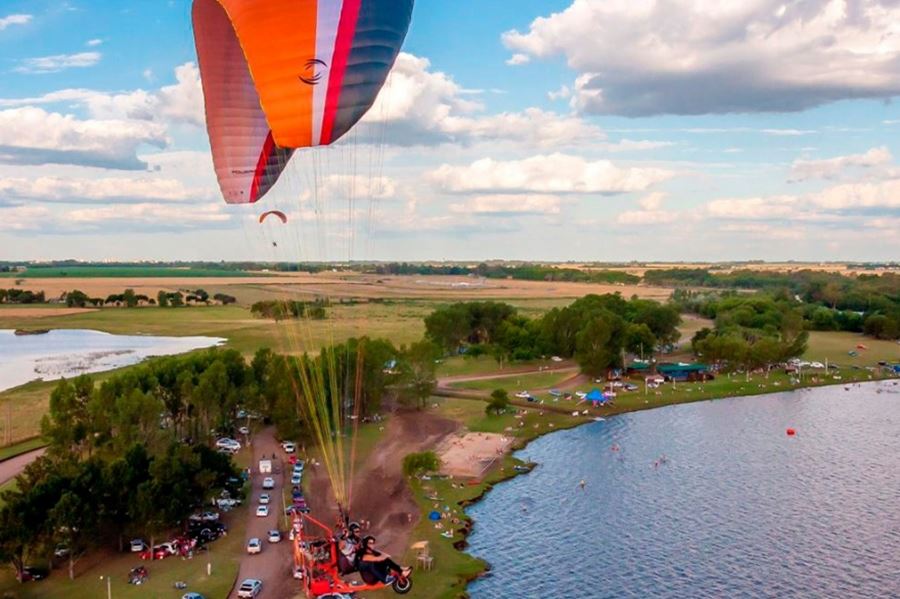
(738,509)
(70,352)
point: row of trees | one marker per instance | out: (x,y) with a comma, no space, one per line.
(284,309)
(21,296)
(882,322)
(128,298)
(596,330)
(524,272)
(864,303)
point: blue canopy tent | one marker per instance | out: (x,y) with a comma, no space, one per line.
(596,397)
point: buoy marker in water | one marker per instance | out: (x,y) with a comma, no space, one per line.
(791,432)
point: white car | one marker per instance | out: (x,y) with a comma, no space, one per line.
(296,479)
(138,545)
(297,573)
(262,511)
(274,536)
(523,394)
(254,546)
(244,430)
(288,446)
(264,498)
(268,483)
(249,588)
(226,443)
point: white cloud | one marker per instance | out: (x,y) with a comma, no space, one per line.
(507,205)
(10,20)
(23,218)
(554,173)
(831,168)
(179,102)
(690,57)
(646,217)
(651,212)
(652,201)
(94,43)
(115,189)
(115,218)
(188,216)
(426,107)
(58,62)
(518,59)
(35,136)
(777,207)
(563,93)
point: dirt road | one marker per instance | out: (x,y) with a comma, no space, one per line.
(273,565)
(12,467)
(380,493)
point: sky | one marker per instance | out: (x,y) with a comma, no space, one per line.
(550,130)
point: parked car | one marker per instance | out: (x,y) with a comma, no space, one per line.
(192,596)
(244,430)
(274,536)
(226,443)
(268,483)
(630,387)
(32,574)
(227,503)
(61,551)
(138,545)
(264,498)
(249,588)
(159,552)
(288,446)
(297,572)
(254,546)
(262,511)
(523,394)
(204,517)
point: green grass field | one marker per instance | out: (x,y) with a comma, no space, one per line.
(516,382)
(104,272)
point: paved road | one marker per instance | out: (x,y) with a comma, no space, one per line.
(273,565)
(13,467)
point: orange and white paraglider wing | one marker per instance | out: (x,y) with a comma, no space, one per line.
(283,74)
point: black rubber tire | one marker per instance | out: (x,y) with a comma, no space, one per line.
(402,586)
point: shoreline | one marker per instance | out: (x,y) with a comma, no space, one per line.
(517,446)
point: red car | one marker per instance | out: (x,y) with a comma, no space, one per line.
(159,552)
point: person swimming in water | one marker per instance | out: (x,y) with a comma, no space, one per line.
(581,484)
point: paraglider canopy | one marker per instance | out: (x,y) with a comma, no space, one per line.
(284,74)
(276,213)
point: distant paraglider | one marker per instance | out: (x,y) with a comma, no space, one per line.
(276,213)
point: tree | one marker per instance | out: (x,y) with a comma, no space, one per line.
(130,298)
(880,327)
(76,299)
(162,299)
(417,463)
(599,344)
(640,340)
(448,327)
(499,402)
(417,373)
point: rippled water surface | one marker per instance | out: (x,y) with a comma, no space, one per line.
(738,509)
(70,352)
